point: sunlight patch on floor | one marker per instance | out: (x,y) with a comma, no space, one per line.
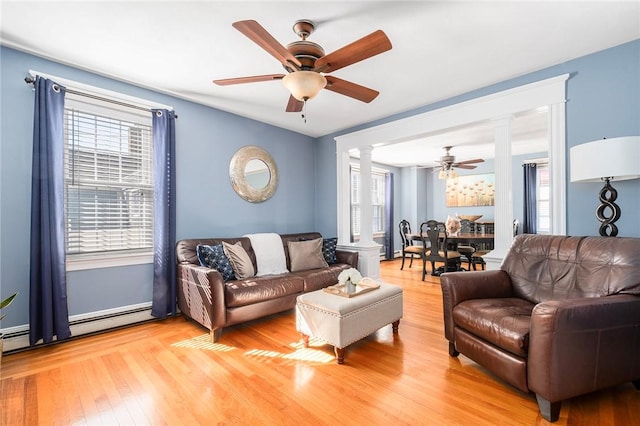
(300,352)
(203,342)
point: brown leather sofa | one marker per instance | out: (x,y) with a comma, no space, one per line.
(561,317)
(205,297)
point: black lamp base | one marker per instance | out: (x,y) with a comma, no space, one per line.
(607,218)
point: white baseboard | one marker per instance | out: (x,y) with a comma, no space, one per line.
(396,254)
(18,337)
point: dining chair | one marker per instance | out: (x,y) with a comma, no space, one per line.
(434,242)
(466,250)
(408,248)
(477,258)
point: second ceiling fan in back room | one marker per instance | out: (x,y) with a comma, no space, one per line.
(448,163)
(305,63)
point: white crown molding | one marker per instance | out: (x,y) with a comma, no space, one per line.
(506,102)
(550,92)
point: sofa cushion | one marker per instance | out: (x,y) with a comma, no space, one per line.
(213,257)
(315,279)
(504,322)
(306,255)
(240,260)
(329,250)
(259,289)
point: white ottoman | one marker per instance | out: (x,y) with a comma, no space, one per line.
(341,321)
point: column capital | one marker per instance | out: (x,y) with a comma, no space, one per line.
(366,149)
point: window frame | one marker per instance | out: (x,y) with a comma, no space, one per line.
(111,258)
(375,173)
(543,167)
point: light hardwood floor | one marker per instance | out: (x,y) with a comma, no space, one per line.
(168,372)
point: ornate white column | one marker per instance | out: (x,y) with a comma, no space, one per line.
(557,161)
(368,250)
(503,208)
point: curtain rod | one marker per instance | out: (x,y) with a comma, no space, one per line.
(31,80)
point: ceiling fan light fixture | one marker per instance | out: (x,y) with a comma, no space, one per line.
(304,85)
(447,172)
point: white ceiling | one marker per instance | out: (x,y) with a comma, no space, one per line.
(528,135)
(440,49)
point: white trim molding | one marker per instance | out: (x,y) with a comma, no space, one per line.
(550,93)
(18,337)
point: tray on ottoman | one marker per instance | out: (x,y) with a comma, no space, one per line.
(364,286)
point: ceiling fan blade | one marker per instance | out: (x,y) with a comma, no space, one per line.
(350,89)
(294,105)
(366,47)
(464,166)
(262,38)
(252,79)
(477,160)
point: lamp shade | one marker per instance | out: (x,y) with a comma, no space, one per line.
(616,158)
(304,85)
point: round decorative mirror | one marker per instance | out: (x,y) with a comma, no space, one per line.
(253,174)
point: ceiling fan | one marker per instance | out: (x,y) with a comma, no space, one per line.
(305,63)
(448,163)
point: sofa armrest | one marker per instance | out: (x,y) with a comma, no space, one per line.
(578,346)
(460,286)
(201,295)
(347,257)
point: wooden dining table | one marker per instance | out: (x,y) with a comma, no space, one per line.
(465,238)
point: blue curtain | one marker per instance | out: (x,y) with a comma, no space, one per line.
(48,310)
(388,226)
(530,215)
(164,213)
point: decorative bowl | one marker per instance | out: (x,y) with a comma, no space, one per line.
(469,217)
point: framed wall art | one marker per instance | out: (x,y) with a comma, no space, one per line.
(471,190)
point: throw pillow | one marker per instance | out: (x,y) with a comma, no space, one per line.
(305,255)
(240,260)
(329,250)
(269,252)
(213,257)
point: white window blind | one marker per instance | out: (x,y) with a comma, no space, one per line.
(108,179)
(543,201)
(378,196)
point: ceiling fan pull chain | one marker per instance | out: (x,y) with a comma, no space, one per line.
(304,111)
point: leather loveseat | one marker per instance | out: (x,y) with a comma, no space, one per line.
(561,317)
(204,296)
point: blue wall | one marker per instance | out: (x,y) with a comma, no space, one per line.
(603,100)
(207,206)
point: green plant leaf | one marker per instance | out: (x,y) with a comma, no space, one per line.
(6,302)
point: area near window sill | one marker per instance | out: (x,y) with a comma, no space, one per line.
(102,260)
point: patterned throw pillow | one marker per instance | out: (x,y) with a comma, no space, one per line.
(329,250)
(213,257)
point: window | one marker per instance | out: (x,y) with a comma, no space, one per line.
(543,202)
(108,179)
(378,196)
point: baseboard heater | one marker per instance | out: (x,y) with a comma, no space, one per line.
(396,254)
(16,338)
